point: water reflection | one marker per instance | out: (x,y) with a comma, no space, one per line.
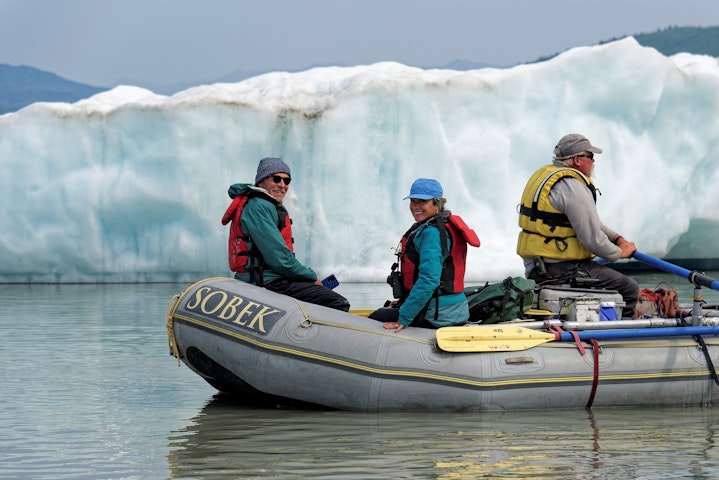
(226,440)
(90,391)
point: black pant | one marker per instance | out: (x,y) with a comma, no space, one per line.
(310,292)
(610,279)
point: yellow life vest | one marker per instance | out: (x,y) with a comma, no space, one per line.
(546,231)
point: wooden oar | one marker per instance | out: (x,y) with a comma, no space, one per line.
(499,338)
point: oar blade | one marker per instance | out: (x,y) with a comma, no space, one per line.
(490,338)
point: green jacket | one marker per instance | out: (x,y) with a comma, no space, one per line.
(261,221)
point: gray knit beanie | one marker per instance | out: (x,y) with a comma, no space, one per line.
(269,166)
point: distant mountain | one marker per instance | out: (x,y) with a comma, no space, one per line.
(701,41)
(21,86)
(672,40)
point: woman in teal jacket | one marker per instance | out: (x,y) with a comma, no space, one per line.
(433,297)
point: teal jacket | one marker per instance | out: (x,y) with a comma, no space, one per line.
(453,309)
(260,221)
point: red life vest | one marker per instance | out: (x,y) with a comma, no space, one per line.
(455,262)
(242,254)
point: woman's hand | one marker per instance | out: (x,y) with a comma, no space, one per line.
(393,325)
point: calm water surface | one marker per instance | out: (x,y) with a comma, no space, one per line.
(89,391)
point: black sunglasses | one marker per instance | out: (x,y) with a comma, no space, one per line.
(588,155)
(278,179)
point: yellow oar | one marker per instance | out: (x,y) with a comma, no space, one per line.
(362,313)
(490,338)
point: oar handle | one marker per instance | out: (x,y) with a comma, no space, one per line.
(692,275)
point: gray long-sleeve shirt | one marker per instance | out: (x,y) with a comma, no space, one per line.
(572,197)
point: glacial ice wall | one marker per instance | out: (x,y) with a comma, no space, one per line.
(130,186)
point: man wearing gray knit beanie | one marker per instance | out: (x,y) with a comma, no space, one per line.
(260,248)
(270,166)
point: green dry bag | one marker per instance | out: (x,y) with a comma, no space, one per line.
(500,302)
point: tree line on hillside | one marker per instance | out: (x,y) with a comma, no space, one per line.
(672,40)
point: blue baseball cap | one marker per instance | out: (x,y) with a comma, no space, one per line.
(424,189)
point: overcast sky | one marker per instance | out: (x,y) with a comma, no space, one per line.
(102,42)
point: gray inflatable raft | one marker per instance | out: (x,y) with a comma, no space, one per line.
(270,349)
